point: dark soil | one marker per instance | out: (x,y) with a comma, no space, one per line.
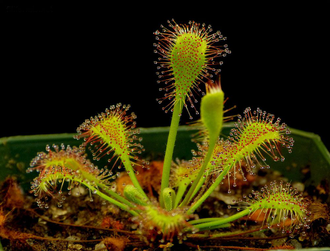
(82,224)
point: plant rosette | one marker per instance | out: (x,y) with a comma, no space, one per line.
(188,57)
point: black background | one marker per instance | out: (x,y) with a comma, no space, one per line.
(65,63)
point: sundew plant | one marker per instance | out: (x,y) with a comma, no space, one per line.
(188,61)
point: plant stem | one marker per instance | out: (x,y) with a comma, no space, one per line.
(215,223)
(111,200)
(170,147)
(188,197)
(131,174)
(210,190)
(199,185)
(180,192)
(72,165)
(114,195)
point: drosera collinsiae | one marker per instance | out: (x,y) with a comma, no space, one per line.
(187,60)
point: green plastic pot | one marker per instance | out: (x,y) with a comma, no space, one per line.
(16,152)
(308,152)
